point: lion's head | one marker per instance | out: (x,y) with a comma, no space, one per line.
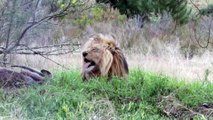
(96,57)
(105,40)
(101,57)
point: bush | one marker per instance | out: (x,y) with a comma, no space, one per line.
(177,8)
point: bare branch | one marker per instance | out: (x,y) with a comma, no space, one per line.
(33,24)
(48,58)
(29,15)
(2,62)
(34,15)
(50,46)
(209,35)
(43,53)
(195,5)
(54,49)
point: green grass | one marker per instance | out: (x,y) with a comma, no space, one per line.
(67,97)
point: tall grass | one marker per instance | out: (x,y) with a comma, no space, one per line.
(66,96)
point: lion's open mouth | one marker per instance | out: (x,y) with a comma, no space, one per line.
(89,65)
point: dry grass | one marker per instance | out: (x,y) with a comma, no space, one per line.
(167,64)
(194,69)
(71,61)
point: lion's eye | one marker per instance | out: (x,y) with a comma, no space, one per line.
(94,49)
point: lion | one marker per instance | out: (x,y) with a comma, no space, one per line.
(27,76)
(101,57)
(107,40)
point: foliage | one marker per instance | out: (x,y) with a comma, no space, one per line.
(177,8)
(98,13)
(89,17)
(68,97)
(207,11)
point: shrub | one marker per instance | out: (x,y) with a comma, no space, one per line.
(177,8)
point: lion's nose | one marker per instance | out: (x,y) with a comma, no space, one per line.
(84,54)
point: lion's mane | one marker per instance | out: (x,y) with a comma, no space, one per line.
(102,57)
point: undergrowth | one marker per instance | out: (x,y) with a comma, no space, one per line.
(67,97)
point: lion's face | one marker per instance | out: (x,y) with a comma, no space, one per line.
(92,58)
(102,57)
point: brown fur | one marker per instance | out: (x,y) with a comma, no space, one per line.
(11,78)
(105,58)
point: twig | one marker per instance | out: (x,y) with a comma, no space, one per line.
(50,46)
(54,51)
(2,62)
(209,35)
(42,53)
(48,58)
(195,5)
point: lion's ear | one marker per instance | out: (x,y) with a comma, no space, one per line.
(112,50)
(106,62)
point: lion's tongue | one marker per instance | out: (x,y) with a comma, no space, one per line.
(86,65)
